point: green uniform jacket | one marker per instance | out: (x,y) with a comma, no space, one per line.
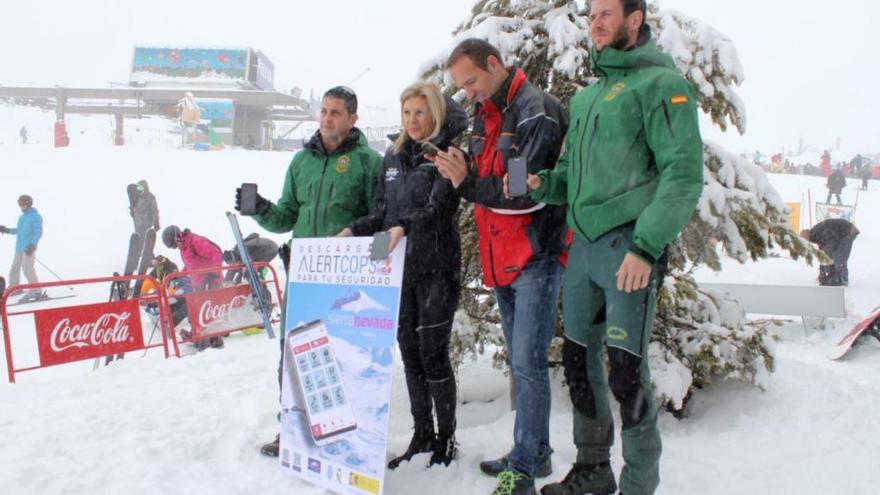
(323,193)
(633,153)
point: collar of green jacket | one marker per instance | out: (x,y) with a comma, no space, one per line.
(611,61)
(354,139)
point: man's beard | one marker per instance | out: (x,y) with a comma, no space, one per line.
(621,39)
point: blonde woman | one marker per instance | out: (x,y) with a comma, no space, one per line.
(413,200)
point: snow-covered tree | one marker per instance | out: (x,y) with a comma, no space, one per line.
(698,334)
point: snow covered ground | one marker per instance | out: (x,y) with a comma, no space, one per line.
(194,425)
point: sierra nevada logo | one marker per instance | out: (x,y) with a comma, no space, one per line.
(357,302)
(342,164)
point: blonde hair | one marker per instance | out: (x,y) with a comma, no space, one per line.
(436,105)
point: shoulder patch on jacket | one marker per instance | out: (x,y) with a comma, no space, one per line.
(679,99)
(614,91)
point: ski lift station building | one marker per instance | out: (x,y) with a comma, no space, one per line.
(233,87)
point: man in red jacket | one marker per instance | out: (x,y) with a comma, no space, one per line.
(197,252)
(521,242)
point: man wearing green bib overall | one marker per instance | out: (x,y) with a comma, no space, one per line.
(632,173)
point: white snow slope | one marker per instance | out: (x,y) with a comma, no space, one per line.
(193,425)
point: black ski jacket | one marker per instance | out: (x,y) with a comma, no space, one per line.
(412,194)
(829,233)
(836,182)
(144,210)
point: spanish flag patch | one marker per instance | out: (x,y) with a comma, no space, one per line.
(679,99)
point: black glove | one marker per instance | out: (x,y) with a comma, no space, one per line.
(261,204)
(284,254)
(3,229)
(30,250)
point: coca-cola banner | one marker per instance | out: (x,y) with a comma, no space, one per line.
(83,332)
(220,311)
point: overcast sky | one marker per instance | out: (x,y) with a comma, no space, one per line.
(811,67)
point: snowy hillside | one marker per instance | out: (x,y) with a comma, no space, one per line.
(194,425)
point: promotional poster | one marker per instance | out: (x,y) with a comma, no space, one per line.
(341,325)
(824,211)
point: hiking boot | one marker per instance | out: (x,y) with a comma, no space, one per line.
(422,441)
(445,451)
(513,482)
(494,467)
(271,449)
(583,479)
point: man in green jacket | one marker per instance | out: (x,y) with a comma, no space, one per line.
(328,184)
(632,173)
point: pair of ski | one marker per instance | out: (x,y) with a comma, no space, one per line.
(140,257)
(25,300)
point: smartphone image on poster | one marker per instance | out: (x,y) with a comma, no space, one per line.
(319,385)
(248,199)
(517,175)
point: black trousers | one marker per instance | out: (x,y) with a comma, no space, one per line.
(427,307)
(837,273)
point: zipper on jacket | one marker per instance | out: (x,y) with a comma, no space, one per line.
(492,259)
(329,201)
(668,120)
(318,199)
(586,170)
(584,135)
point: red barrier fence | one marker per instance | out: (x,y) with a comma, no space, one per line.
(85,331)
(217,311)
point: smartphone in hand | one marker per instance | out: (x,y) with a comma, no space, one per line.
(430,148)
(381,243)
(517,175)
(248,199)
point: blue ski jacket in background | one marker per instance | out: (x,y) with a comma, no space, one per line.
(29,230)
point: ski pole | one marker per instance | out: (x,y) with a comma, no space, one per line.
(149,342)
(50,271)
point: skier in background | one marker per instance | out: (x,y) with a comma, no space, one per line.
(143,208)
(835,184)
(29,230)
(259,249)
(196,252)
(835,237)
(865,175)
(24,134)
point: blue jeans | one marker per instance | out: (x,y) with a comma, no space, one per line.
(528,318)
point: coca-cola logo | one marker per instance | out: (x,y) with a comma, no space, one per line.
(109,328)
(210,312)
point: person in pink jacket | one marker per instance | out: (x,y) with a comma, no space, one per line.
(197,252)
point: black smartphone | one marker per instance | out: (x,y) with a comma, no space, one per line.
(248,203)
(430,148)
(517,175)
(381,243)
